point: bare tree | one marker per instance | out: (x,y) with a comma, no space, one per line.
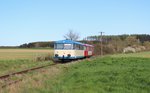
(71,35)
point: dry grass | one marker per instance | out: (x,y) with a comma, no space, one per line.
(44,57)
(8,57)
(139,54)
(35,80)
(12,54)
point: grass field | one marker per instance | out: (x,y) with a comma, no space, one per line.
(13,54)
(108,74)
(140,54)
(18,59)
(121,73)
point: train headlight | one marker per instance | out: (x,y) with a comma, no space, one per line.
(69,55)
(56,55)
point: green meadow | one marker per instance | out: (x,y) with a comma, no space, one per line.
(108,74)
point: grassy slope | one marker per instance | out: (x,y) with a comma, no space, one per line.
(141,54)
(100,75)
(103,75)
(111,74)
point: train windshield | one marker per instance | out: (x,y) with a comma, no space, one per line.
(59,46)
(63,46)
(67,46)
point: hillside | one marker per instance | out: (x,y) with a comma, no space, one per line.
(105,75)
(44,44)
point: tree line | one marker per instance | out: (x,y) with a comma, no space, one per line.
(117,43)
(141,37)
(110,43)
(38,45)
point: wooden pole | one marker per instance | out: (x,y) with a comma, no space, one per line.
(101,40)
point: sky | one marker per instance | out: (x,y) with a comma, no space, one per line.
(24,21)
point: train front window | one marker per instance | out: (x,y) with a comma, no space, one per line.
(63,46)
(67,46)
(59,46)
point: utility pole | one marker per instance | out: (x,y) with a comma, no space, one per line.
(101,40)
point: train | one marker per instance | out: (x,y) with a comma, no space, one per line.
(71,50)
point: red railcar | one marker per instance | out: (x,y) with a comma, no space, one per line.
(89,50)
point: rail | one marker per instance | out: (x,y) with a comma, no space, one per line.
(7,76)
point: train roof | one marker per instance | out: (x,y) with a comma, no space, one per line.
(88,45)
(72,42)
(68,42)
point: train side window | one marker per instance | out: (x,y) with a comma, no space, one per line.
(89,48)
(81,47)
(74,46)
(54,46)
(84,47)
(77,47)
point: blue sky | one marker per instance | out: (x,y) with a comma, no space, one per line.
(23,21)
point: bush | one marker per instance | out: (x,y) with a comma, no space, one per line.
(107,49)
(129,50)
(147,45)
(45,57)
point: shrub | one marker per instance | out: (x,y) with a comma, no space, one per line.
(129,50)
(45,57)
(147,45)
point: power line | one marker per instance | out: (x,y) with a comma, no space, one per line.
(101,42)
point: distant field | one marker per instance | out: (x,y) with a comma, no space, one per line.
(12,60)
(13,54)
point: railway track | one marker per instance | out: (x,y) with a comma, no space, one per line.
(7,78)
